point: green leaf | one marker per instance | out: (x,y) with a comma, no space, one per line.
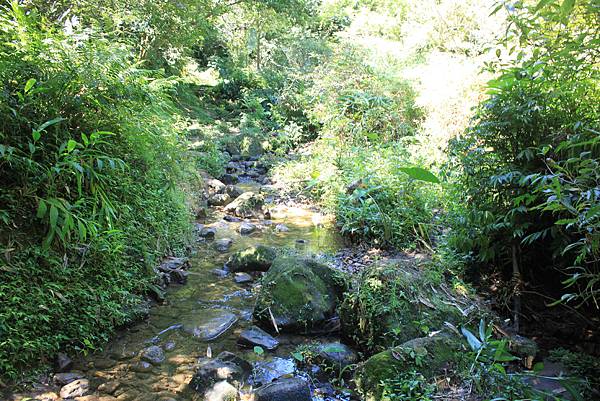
(36,135)
(49,123)
(29,84)
(542,4)
(53,216)
(566,8)
(298,356)
(71,145)
(474,343)
(41,210)
(538,367)
(258,350)
(420,174)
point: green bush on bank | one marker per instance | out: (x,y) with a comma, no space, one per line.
(89,160)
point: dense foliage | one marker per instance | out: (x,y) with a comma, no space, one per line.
(529,161)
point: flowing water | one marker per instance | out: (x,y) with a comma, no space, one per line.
(207,295)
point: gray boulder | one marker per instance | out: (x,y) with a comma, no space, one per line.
(289,389)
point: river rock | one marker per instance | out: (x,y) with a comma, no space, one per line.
(256,258)
(299,294)
(281,228)
(174,268)
(153,354)
(232,219)
(223,244)
(141,367)
(337,354)
(74,389)
(108,387)
(229,179)
(215,186)
(242,278)
(248,205)
(234,191)
(63,363)
(66,378)
(219,272)
(254,335)
(270,370)
(209,324)
(225,367)
(247,228)
(221,391)
(435,354)
(287,389)
(219,199)
(208,232)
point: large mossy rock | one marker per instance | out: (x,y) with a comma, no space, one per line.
(429,356)
(256,258)
(394,302)
(300,293)
(248,205)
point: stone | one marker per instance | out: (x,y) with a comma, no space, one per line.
(66,378)
(219,199)
(74,389)
(248,205)
(247,228)
(287,389)
(388,301)
(232,219)
(208,232)
(169,346)
(63,363)
(223,244)
(267,371)
(242,278)
(208,324)
(153,354)
(299,294)
(337,355)
(174,268)
(141,367)
(229,179)
(254,335)
(221,391)
(234,191)
(256,258)
(215,186)
(225,367)
(281,228)
(435,354)
(219,272)
(108,387)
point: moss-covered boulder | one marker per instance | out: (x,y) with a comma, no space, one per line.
(248,205)
(429,356)
(299,293)
(256,258)
(395,302)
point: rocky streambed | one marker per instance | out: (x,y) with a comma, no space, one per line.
(261,311)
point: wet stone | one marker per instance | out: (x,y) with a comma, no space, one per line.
(223,244)
(66,378)
(225,367)
(284,390)
(153,354)
(254,335)
(169,346)
(242,278)
(74,389)
(209,324)
(221,391)
(268,371)
(232,219)
(141,367)
(108,387)
(219,272)
(229,179)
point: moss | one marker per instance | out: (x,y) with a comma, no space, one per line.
(256,258)
(299,292)
(394,303)
(428,356)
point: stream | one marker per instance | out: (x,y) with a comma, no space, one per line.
(218,304)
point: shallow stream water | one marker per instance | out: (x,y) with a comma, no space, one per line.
(204,296)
